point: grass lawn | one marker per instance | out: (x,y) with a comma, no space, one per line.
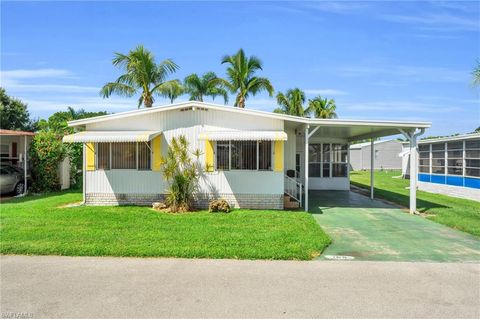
(37,225)
(461,214)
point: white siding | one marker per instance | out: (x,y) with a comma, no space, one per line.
(290,149)
(124,181)
(191,124)
(386,156)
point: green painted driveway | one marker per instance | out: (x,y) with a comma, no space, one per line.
(372,230)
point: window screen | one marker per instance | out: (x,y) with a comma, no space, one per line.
(223,154)
(144,156)
(123,155)
(244,155)
(264,155)
(103,156)
(472,158)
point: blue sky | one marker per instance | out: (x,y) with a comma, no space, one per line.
(379,60)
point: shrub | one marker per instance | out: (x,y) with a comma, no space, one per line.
(182,173)
(219,205)
(46,153)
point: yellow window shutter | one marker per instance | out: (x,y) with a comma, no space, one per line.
(278,159)
(209,156)
(157,153)
(90,156)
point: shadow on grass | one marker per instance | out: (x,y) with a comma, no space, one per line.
(423,206)
(34,197)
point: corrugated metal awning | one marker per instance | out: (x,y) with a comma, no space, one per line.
(110,136)
(243,136)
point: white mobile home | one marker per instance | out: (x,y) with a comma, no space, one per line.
(385,155)
(251,158)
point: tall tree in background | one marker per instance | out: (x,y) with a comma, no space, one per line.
(322,108)
(241,79)
(14,114)
(142,75)
(206,85)
(173,90)
(291,102)
(56,125)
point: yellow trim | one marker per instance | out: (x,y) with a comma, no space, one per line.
(90,156)
(157,153)
(209,164)
(278,156)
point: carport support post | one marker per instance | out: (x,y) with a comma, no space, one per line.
(25,165)
(412,138)
(372,166)
(413,173)
(306,168)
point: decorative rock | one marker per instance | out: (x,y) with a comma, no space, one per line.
(159,205)
(219,205)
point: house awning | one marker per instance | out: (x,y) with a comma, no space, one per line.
(243,136)
(110,136)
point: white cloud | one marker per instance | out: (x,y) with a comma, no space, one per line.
(400,106)
(415,73)
(17,87)
(87,103)
(325,92)
(23,81)
(437,21)
(34,74)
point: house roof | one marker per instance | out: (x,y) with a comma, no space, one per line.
(16,133)
(110,136)
(360,145)
(450,138)
(349,129)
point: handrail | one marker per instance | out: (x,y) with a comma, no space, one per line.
(293,189)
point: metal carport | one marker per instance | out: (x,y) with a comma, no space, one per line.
(353,130)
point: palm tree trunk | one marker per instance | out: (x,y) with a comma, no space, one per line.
(241,101)
(148,101)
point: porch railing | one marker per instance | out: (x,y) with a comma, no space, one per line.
(293,188)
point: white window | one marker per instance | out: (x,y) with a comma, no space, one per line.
(123,156)
(244,155)
(328,160)
(4,150)
(339,160)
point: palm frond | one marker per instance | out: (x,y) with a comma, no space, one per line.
(117,88)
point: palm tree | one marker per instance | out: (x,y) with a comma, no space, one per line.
(322,108)
(291,102)
(142,75)
(206,85)
(241,79)
(173,90)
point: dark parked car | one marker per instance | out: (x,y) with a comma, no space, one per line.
(11,180)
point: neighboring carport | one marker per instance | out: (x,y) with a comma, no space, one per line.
(354,130)
(17,156)
(365,229)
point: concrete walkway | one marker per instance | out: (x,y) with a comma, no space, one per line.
(372,230)
(88,287)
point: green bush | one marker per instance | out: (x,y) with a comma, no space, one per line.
(46,153)
(182,173)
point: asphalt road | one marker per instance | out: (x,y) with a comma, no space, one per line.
(85,287)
